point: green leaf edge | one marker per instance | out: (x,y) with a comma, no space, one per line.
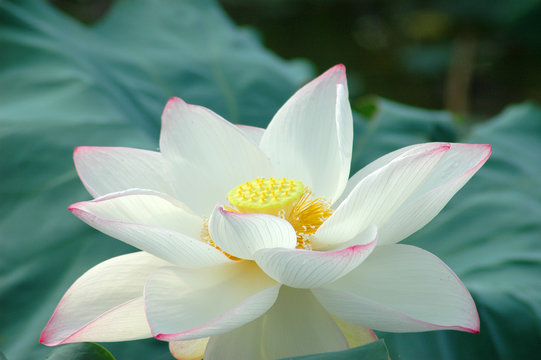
(80,351)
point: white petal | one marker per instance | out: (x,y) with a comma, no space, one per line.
(296,325)
(378,195)
(300,268)
(189,349)
(147,208)
(379,163)
(458,165)
(241,235)
(310,138)
(253,133)
(185,304)
(401,288)
(151,222)
(105,304)
(207,156)
(104,170)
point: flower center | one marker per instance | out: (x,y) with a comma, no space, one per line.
(285,198)
(270,196)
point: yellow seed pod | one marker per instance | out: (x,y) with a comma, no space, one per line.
(269,196)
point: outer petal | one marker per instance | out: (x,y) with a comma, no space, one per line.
(458,165)
(189,349)
(401,288)
(206,155)
(306,269)
(242,235)
(105,304)
(152,222)
(296,325)
(190,304)
(310,138)
(104,170)
(379,195)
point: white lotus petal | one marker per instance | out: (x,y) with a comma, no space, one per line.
(151,222)
(401,288)
(207,156)
(104,170)
(189,349)
(253,133)
(241,235)
(296,325)
(310,138)
(145,207)
(185,304)
(307,269)
(105,304)
(458,165)
(379,195)
(379,163)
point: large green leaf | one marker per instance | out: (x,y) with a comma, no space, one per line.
(71,85)
(489,234)
(126,67)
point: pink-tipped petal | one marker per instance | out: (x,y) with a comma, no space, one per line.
(152,222)
(310,138)
(401,288)
(307,269)
(379,163)
(206,155)
(456,168)
(104,170)
(105,303)
(241,235)
(296,325)
(377,196)
(188,349)
(191,304)
(144,207)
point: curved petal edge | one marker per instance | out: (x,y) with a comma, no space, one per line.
(299,268)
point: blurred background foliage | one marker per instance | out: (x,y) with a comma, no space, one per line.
(470,57)
(99,73)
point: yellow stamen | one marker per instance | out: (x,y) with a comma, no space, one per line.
(306,217)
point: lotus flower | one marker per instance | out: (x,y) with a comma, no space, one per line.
(255,245)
